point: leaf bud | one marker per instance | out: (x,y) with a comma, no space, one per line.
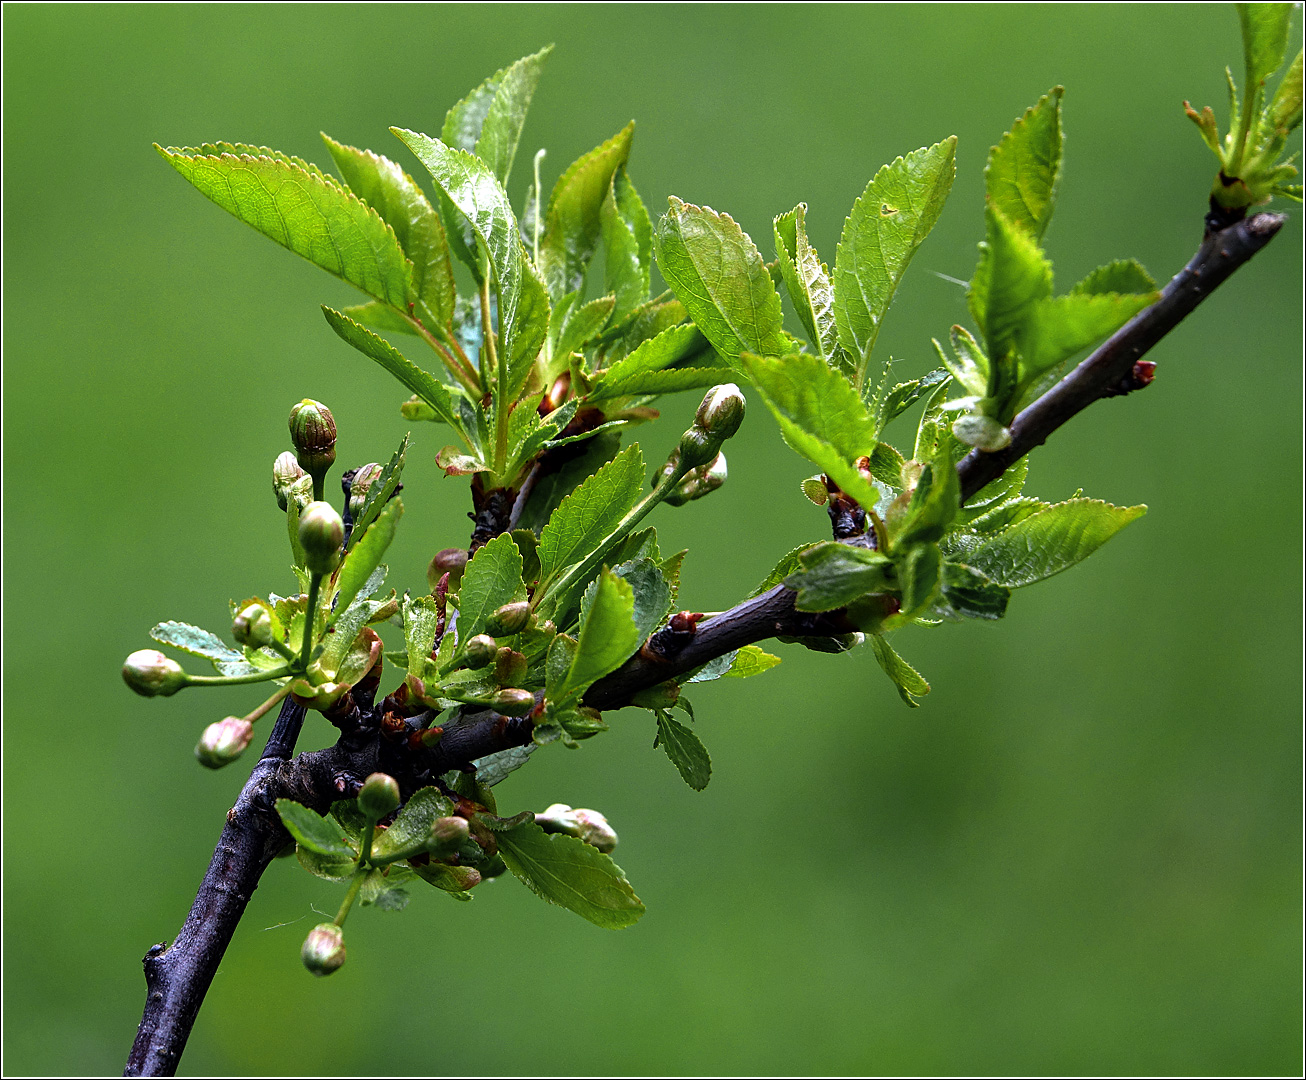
(512,702)
(509,667)
(360,484)
(321,532)
(448,834)
(480,651)
(722,411)
(324,949)
(151,674)
(253,627)
(699,482)
(223,742)
(587,825)
(285,472)
(509,619)
(379,796)
(313,435)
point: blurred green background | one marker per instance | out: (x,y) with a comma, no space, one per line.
(1082,855)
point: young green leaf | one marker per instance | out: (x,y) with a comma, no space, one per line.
(365,556)
(572,225)
(421,620)
(1265,41)
(686,752)
(1024,168)
(971,595)
(590,513)
(652,594)
(906,678)
(1120,276)
(749,661)
(489,120)
(919,569)
(1050,540)
(608,637)
(834,574)
(808,284)
(492,579)
(715,270)
(583,324)
(644,371)
(627,237)
(1011,277)
(887,224)
(412,825)
(390,191)
(321,835)
(197,642)
(378,495)
(1059,327)
(571,873)
(304,211)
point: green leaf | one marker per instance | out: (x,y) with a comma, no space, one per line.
(644,370)
(330,867)
(494,768)
(365,556)
(808,284)
(1265,42)
(304,211)
(1121,276)
(322,835)
(412,825)
(197,642)
(425,385)
(686,752)
(590,513)
(749,661)
(834,574)
(788,563)
(1024,168)
(971,595)
(492,579)
(553,487)
(608,636)
(906,678)
(378,495)
(715,270)
(903,396)
(627,237)
(571,873)
(1012,276)
(919,569)
(887,224)
(820,416)
(933,504)
(584,324)
(652,594)
(1058,328)
(379,891)
(390,191)
(1050,540)
(421,620)
(473,189)
(573,224)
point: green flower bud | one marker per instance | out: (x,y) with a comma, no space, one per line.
(480,651)
(509,619)
(722,411)
(701,481)
(223,742)
(324,949)
(587,825)
(321,532)
(313,434)
(378,796)
(253,627)
(448,834)
(513,702)
(509,667)
(461,878)
(697,448)
(151,674)
(451,561)
(285,472)
(361,483)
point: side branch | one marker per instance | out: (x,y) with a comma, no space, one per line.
(1110,369)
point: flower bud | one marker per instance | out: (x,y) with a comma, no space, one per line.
(722,411)
(697,448)
(321,532)
(223,742)
(509,619)
(151,674)
(285,471)
(313,434)
(509,667)
(480,651)
(451,561)
(701,481)
(253,627)
(360,484)
(587,825)
(379,796)
(324,949)
(513,702)
(448,834)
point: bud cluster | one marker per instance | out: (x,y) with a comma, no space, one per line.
(717,419)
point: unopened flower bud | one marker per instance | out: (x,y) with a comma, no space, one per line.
(587,825)
(509,667)
(151,674)
(223,742)
(697,447)
(722,411)
(379,796)
(324,949)
(448,834)
(463,877)
(313,434)
(285,472)
(321,532)
(701,481)
(253,627)
(509,619)
(480,651)
(450,561)
(360,484)
(513,702)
